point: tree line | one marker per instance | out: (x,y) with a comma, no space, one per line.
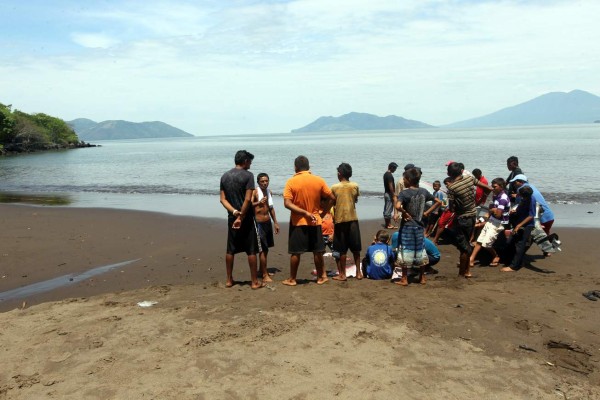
(22,132)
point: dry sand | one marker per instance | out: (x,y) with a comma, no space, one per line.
(525,335)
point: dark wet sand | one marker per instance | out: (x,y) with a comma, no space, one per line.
(529,334)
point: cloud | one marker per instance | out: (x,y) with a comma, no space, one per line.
(94,40)
(270,66)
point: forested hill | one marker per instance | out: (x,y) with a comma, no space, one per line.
(114,130)
(360,121)
(22,132)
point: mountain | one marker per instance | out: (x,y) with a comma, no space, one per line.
(360,121)
(575,107)
(88,130)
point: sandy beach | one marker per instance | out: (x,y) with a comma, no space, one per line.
(525,335)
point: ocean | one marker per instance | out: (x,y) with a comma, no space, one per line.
(181,175)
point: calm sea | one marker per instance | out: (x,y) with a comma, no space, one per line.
(181,176)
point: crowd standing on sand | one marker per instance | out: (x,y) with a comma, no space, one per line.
(516,215)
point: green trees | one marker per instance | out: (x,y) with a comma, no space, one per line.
(20,131)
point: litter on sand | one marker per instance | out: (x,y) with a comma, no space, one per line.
(147,303)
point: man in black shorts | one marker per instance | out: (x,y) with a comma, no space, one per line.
(237,186)
(302,196)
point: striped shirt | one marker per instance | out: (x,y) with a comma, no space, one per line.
(461,195)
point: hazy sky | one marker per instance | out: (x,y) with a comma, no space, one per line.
(244,66)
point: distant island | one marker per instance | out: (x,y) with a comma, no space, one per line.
(355,121)
(116,130)
(24,133)
(556,108)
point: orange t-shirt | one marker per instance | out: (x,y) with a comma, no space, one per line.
(305,190)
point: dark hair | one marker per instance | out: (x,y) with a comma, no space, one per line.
(301,163)
(512,159)
(241,156)
(345,170)
(446,180)
(499,181)
(392,165)
(382,236)
(438,182)
(413,176)
(476,173)
(261,175)
(526,193)
(455,170)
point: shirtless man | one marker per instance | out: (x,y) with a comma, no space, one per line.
(264,212)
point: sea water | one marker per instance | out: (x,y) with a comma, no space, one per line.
(181,175)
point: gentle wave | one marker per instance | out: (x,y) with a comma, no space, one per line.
(553,198)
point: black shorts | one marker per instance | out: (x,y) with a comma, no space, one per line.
(265,235)
(346,236)
(243,239)
(305,238)
(462,228)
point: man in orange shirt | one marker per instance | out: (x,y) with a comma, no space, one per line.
(302,196)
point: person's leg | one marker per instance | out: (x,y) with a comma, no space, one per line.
(320,267)
(495,256)
(404,280)
(229,266)
(422,279)
(464,268)
(474,254)
(359,272)
(520,248)
(263,266)
(294,262)
(253,274)
(341,266)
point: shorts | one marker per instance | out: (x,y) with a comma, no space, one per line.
(446,219)
(305,238)
(462,228)
(489,233)
(265,235)
(411,247)
(243,239)
(388,206)
(346,237)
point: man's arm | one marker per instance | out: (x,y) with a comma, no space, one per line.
(274,217)
(242,214)
(287,203)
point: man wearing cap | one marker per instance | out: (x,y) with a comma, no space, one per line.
(546,216)
(389,195)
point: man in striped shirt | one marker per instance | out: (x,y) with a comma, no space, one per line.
(461,197)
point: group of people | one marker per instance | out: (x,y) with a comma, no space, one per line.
(422,217)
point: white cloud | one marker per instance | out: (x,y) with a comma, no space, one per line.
(94,40)
(235,67)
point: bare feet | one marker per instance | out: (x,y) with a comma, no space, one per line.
(267,279)
(229,284)
(402,282)
(507,269)
(423,280)
(258,285)
(495,262)
(289,282)
(359,276)
(322,280)
(339,278)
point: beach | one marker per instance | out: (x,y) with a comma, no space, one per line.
(529,334)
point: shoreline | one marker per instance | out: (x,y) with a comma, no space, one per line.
(464,338)
(207,206)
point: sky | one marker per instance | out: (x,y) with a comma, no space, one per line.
(269,66)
